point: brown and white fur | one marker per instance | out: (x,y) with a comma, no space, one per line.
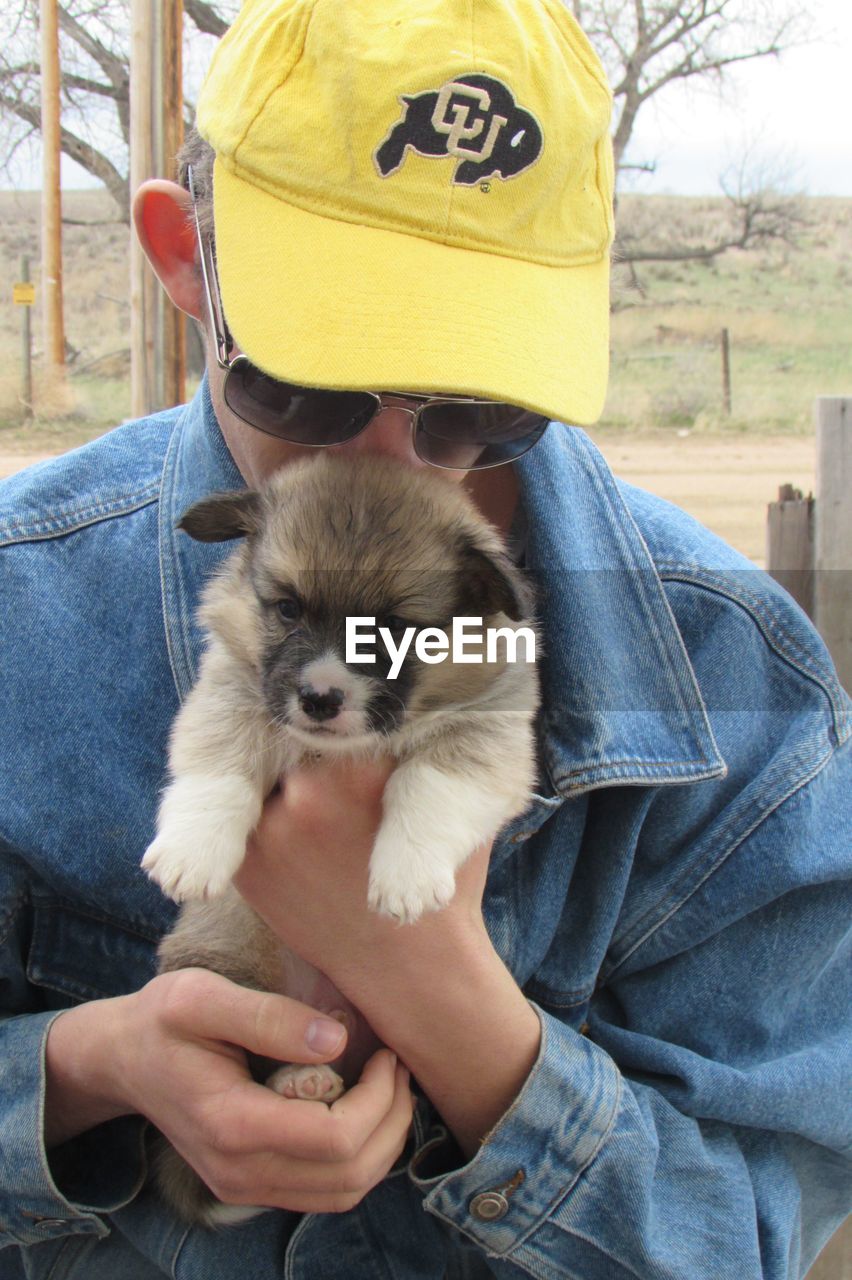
(322,540)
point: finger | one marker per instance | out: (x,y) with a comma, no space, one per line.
(259,1120)
(311,1186)
(206,1005)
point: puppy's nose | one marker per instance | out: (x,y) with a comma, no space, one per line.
(320,706)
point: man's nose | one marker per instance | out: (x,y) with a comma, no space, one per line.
(389,435)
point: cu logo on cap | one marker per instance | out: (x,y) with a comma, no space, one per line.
(463,123)
(475,119)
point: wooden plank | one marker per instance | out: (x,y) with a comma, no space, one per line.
(835,1261)
(790,545)
(173,353)
(157,331)
(833,543)
(726,372)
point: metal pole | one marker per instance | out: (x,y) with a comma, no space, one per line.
(26,348)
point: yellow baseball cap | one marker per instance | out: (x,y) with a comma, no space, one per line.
(416,195)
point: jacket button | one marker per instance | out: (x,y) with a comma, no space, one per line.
(488,1206)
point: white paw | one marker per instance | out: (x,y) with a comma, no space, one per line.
(313,1084)
(191,869)
(407,887)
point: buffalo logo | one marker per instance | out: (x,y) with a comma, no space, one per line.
(474,118)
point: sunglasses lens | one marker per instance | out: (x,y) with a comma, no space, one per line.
(470,436)
(301,415)
(453,434)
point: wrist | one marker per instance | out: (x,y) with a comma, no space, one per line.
(465,1030)
(84,1078)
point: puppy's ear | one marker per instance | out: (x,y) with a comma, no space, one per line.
(223,516)
(492,584)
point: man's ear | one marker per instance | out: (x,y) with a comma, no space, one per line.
(165,227)
(223,516)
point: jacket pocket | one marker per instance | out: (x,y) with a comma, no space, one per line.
(82,955)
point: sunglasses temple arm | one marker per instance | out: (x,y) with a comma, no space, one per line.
(224,341)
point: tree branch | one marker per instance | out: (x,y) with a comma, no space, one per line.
(205,17)
(116,69)
(761,217)
(83,152)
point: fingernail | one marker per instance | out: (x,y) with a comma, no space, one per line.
(324,1036)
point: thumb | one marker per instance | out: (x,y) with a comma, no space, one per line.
(206,1005)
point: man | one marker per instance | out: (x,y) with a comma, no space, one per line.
(628,1028)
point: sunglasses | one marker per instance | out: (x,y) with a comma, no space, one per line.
(453,432)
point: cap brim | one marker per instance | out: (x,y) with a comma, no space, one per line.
(327,303)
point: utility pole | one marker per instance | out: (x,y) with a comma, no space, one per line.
(157,329)
(51,204)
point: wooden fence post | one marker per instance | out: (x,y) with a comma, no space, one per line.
(833,541)
(157,330)
(726,372)
(790,545)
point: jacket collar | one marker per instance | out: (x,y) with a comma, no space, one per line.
(621,703)
(620,699)
(197,463)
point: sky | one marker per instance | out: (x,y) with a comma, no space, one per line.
(791,115)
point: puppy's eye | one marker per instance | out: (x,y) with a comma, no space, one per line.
(289,608)
(395,624)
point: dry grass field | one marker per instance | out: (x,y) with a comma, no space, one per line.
(788,312)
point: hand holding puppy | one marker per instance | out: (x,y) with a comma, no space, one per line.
(436,991)
(175,1052)
(306,871)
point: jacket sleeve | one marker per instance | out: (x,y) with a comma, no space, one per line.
(64,1193)
(701,1127)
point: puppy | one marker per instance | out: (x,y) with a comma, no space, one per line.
(324,541)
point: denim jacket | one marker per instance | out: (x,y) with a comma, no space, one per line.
(672,903)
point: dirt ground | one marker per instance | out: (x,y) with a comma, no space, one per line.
(726,482)
(12,462)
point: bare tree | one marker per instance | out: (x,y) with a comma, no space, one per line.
(206,18)
(95,81)
(646,45)
(759,210)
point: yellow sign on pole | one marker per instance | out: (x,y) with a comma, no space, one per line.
(23,294)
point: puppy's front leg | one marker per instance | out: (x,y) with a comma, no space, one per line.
(432,823)
(222,765)
(202,829)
